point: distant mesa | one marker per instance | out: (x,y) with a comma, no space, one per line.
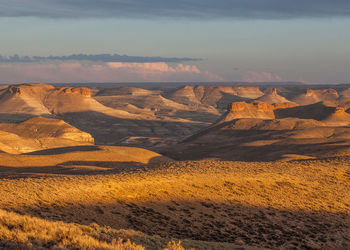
(216,96)
(255,109)
(26,100)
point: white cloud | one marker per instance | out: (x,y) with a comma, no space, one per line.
(102,72)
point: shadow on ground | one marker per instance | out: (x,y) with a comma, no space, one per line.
(63,150)
(212,221)
(71,168)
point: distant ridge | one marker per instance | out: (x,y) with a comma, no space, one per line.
(169,84)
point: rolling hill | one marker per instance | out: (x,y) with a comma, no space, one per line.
(40,133)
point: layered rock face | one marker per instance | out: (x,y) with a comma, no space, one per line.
(256,109)
(254,106)
(81,91)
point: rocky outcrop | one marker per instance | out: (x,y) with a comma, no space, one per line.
(272,97)
(258,106)
(256,109)
(81,91)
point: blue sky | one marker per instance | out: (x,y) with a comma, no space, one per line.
(294,41)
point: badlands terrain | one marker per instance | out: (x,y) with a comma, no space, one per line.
(174,167)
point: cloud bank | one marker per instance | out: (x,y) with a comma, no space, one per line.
(192,9)
(102,72)
(95,58)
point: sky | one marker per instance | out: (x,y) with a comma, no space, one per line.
(176,41)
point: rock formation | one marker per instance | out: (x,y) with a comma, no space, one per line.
(256,109)
(272,97)
(81,90)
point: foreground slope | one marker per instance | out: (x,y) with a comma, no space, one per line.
(300,204)
(26,232)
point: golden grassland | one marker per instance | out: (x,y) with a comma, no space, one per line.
(299,204)
(26,232)
(19,231)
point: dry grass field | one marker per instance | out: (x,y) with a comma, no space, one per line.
(286,205)
(22,232)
